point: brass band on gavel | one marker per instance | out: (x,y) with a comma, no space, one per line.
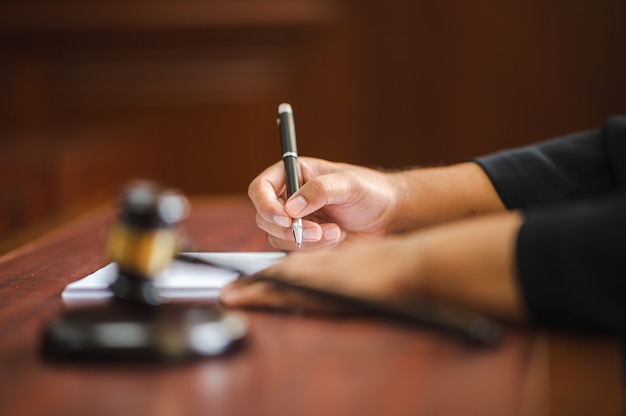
(144,240)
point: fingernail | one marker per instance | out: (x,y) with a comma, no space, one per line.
(229,296)
(332,233)
(282,221)
(311,234)
(296,205)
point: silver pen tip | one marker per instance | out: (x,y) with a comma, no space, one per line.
(296,228)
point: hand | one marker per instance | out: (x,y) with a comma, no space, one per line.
(343,202)
(338,201)
(468,263)
(378,271)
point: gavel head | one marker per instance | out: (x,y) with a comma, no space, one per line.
(144,240)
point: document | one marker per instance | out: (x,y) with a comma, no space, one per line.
(182,280)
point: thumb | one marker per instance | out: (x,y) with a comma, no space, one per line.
(331,189)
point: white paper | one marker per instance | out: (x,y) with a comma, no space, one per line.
(181,280)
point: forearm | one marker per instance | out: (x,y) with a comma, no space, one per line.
(431,196)
(471,264)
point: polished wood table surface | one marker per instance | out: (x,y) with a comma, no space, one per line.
(291,364)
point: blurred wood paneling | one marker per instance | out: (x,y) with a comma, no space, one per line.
(185,93)
(93,94)
(452,80)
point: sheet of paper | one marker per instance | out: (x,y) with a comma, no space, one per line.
(181,280)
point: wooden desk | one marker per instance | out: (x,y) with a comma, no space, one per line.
(292,364)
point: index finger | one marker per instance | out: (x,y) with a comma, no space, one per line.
(265,193)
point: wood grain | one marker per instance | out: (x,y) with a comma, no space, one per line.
(292,363)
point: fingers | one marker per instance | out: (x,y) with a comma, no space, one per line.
(263,294)
(324,183)
(313,236)
(311,230)
(253,293)
(334,188)
(265,193)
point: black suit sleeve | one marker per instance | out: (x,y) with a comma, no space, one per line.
(570,248)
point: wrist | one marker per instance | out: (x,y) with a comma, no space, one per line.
(430,196)
(472,264)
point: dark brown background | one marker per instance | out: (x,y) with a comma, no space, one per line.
(94,93)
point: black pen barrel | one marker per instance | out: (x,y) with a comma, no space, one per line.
(291,171)
(290,151)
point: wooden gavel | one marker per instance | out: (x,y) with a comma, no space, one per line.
(144,239)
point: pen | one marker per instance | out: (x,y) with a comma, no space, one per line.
(287,131)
